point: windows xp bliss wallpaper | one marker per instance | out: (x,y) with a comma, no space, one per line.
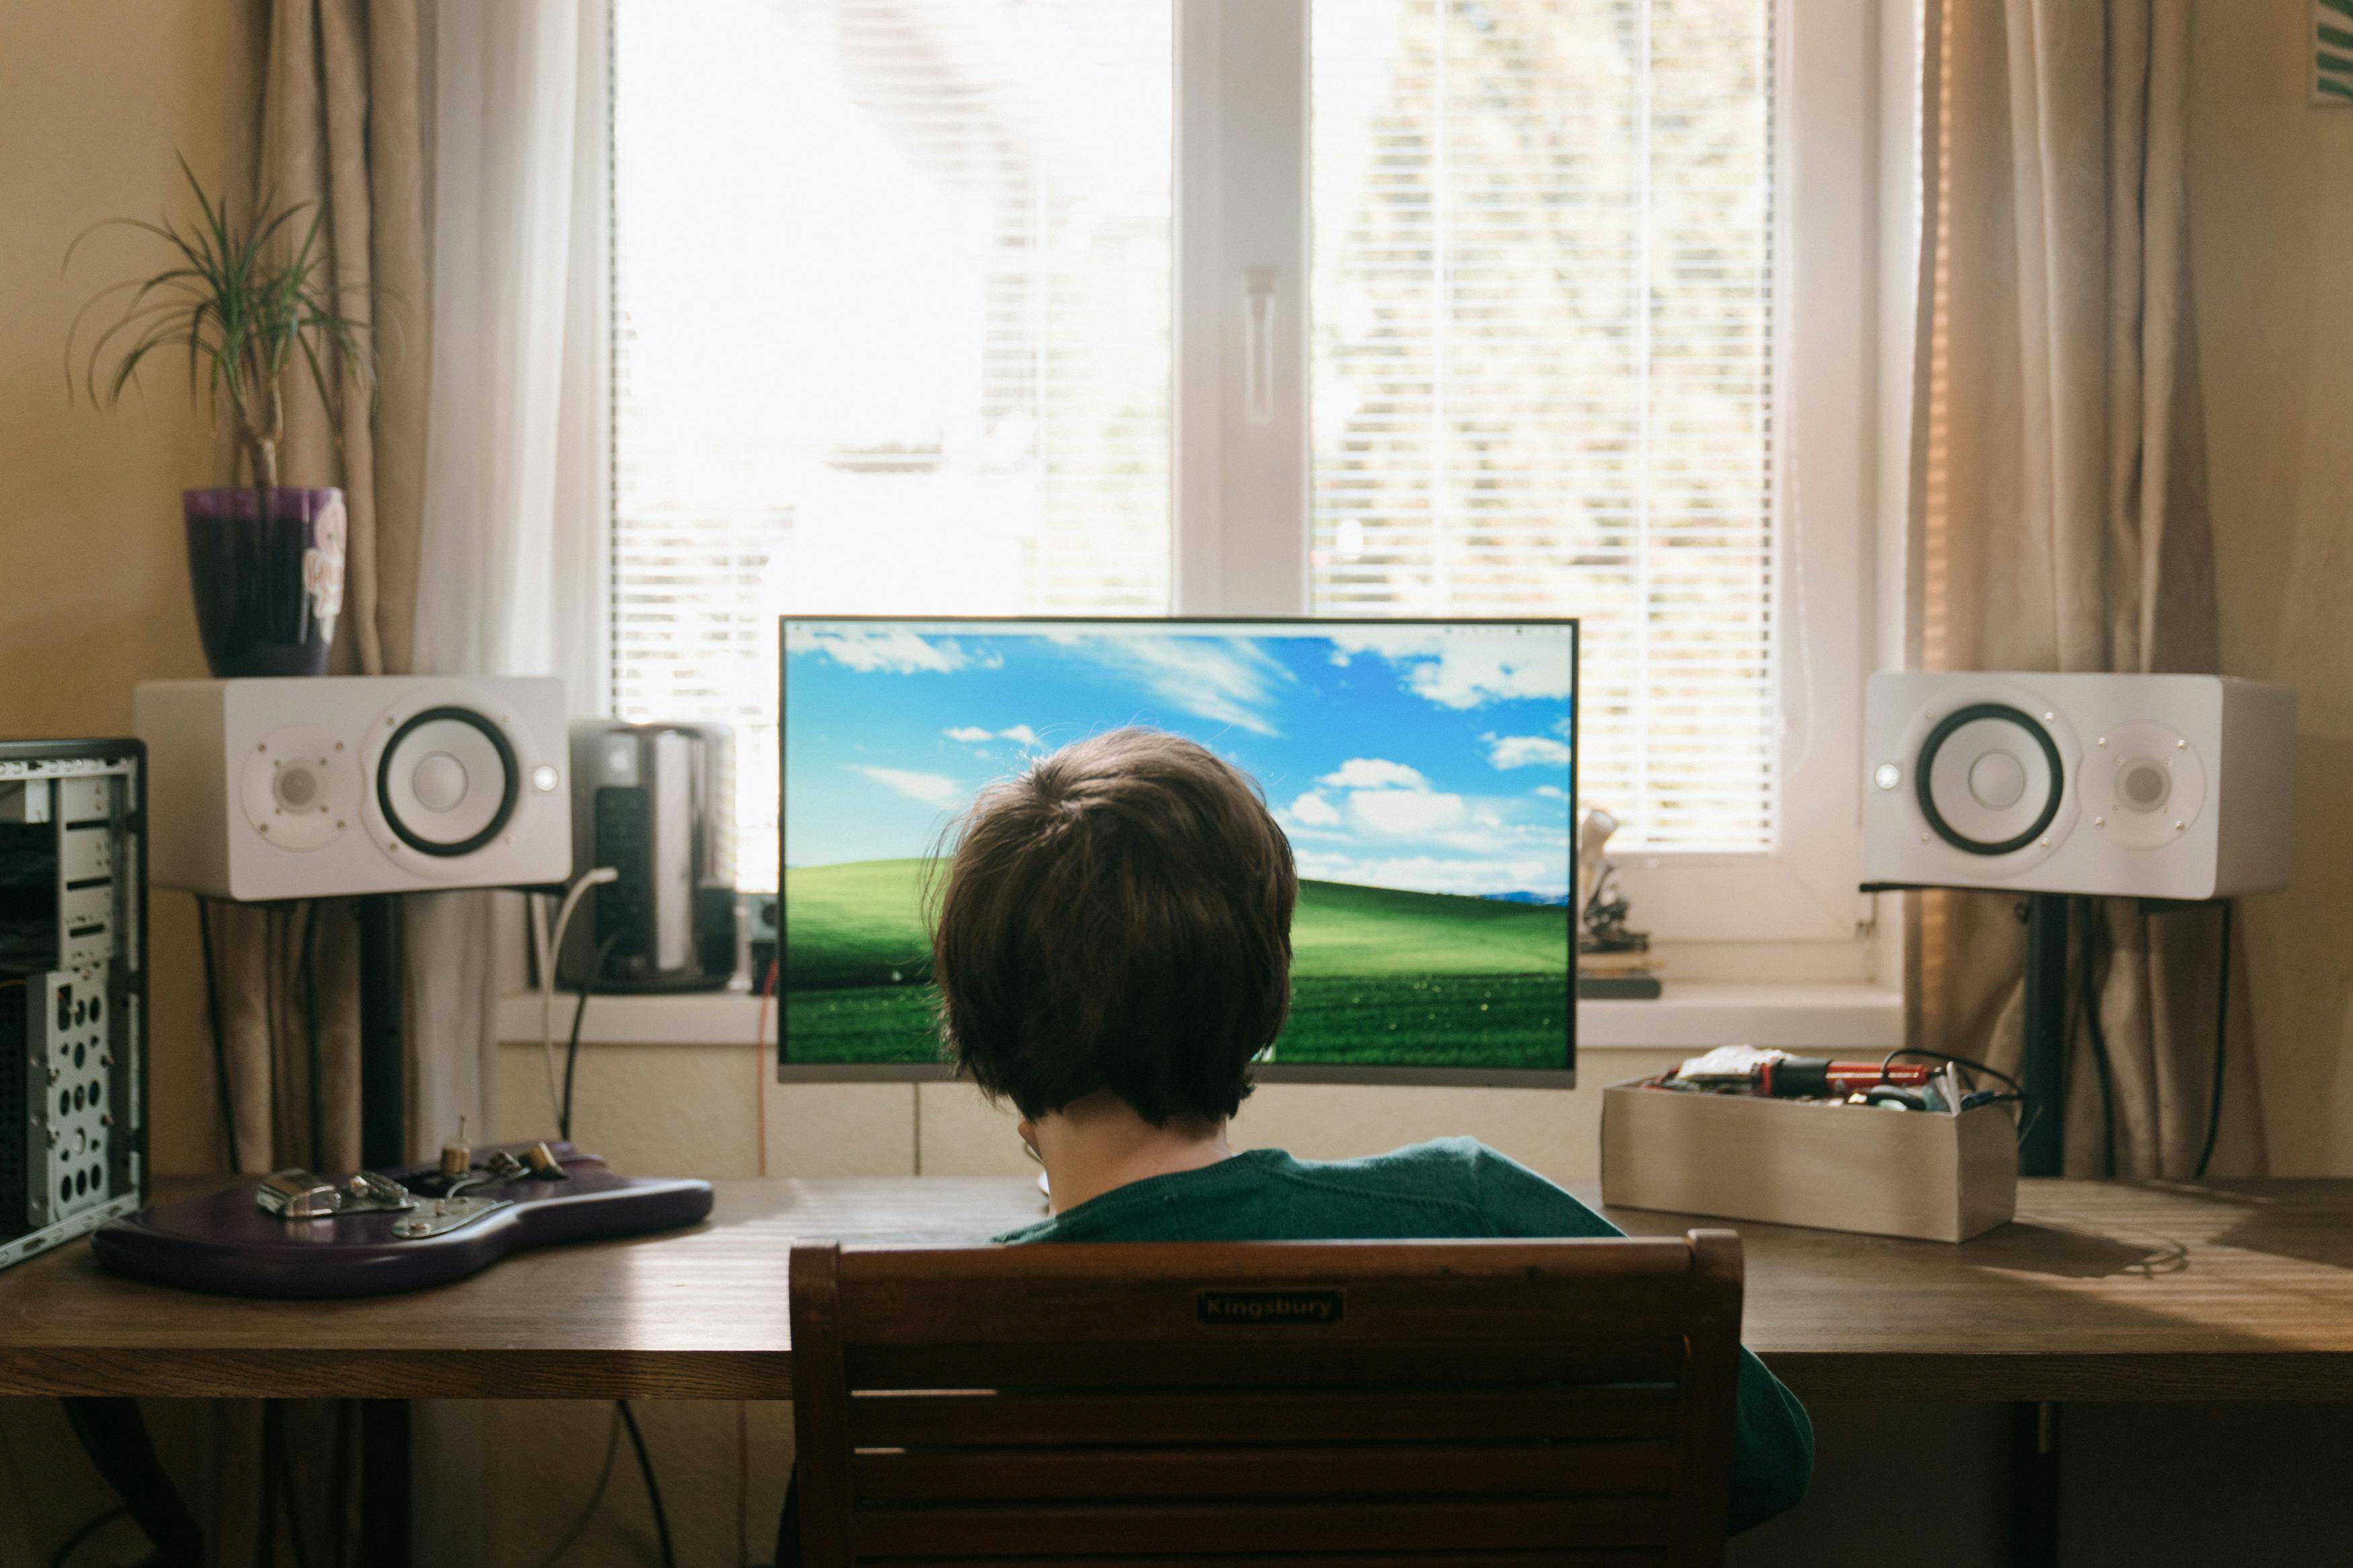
(1423,773)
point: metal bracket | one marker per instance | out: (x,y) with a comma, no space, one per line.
(442,1216)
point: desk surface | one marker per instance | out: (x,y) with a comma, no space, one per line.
(2151,1291)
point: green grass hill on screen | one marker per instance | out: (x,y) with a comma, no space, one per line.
(1380,975)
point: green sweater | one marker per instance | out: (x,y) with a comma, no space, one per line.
(1452,1187)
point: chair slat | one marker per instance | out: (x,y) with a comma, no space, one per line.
(1339,1415)
(1063,1531)
(1259,1363)
(1489,1470)
(1526,1305)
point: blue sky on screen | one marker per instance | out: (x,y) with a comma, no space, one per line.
(1418,757)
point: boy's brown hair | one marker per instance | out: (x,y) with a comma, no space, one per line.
(1117,918)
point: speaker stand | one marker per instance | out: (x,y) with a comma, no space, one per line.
(2044,1068)
(383,1065)
(384,1145)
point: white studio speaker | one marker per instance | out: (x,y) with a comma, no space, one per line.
(320,787)
(2159,786)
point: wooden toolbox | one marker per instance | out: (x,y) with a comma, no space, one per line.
(1926,1174)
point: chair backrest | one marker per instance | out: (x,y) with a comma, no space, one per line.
(1560,1402)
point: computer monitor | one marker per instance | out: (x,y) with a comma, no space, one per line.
(1424,770)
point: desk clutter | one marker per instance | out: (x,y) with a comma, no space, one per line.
(1912,1144)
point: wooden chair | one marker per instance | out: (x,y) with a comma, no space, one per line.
(1339,1403)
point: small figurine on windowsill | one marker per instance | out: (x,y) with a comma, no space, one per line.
(1612,960)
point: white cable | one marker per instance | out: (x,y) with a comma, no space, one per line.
(550,946)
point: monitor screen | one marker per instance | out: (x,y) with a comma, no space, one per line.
(1424,772)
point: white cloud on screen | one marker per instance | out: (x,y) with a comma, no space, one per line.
(893,650)
(1227,680)
(1315,811)
(1550,792)
(1461,671)
(1374,773)
(1406,812)
(931,789)
(974,735)
(1527,751)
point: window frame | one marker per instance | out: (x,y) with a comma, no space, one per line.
(1240,501)
(1240,522)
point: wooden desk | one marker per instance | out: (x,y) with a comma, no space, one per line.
(2232,1291)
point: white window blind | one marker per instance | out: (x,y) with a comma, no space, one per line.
(1542,348)
(891,285)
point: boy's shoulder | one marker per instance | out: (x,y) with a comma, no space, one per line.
(1441,1163)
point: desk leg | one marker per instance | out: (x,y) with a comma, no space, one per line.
(383,1483)
(2034,1486)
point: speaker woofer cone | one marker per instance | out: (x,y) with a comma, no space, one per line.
(509,783)
(1924,777)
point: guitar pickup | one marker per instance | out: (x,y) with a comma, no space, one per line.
(301,1194)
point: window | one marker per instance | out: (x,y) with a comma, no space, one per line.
(1469,307)
(1542,362)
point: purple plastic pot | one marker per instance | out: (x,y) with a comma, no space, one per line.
(269,578)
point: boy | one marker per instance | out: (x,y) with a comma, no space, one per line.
(1112,948)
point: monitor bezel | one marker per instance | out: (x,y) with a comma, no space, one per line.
(1563,1077)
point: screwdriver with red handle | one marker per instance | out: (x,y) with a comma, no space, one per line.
(1815,1078)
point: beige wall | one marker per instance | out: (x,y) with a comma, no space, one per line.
(96,96)
(2271,204)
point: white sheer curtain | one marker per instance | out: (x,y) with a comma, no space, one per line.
(510,575)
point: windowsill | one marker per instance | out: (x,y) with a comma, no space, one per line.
(1693,1014)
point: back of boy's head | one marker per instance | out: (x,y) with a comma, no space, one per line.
(1117,918)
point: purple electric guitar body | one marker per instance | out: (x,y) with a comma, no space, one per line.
(400,1230)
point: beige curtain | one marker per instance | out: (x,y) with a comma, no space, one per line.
(2058,512)
(330,91)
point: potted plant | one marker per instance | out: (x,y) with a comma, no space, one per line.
(244,299)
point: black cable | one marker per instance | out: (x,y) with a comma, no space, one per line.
(280,1461)
(220,1043)
(338,1513)
(71,1544)
(653,1488)
(2029,1109)
(1972,1064)
(596,1493)
(572,1046)
(113,1434)
(310,968)
(2091,1002)
(2221,1038)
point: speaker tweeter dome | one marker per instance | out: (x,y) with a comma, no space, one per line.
(2173,786)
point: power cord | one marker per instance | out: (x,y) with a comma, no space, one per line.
(2222,1040)
(2029,1109)
(653,1488)
(2091,1005)
(220,1041)
(309,964)
(596,1494)
(550,943)
(72,1544)
(572,1046)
